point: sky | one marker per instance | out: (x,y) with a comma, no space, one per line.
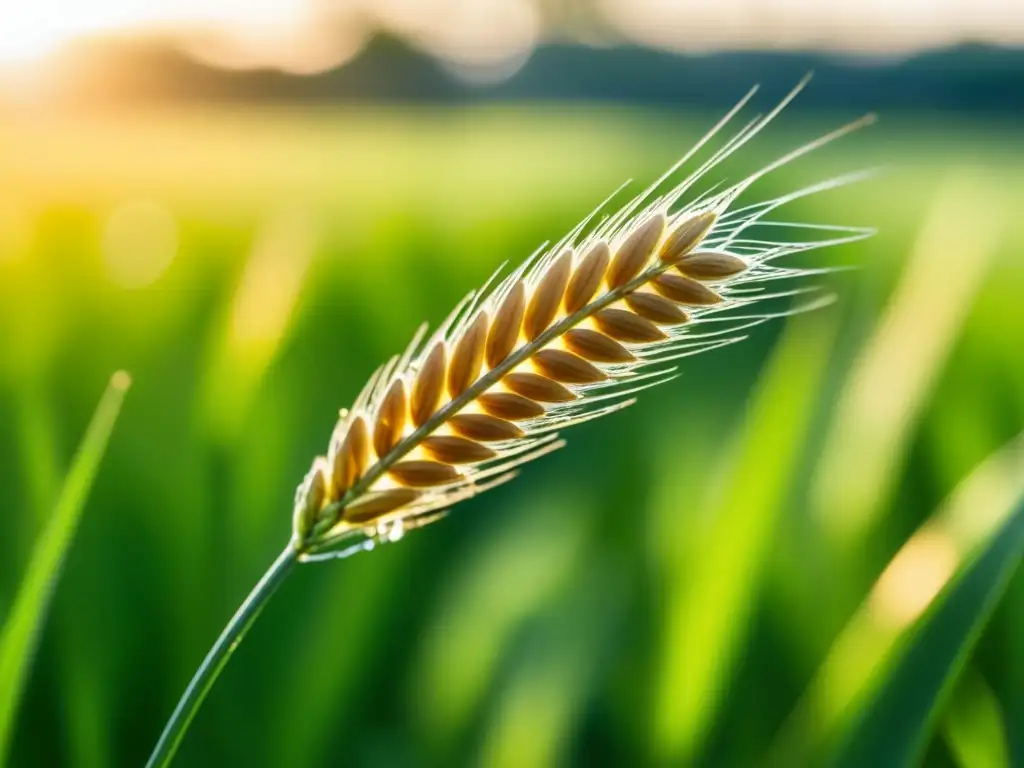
(308,35)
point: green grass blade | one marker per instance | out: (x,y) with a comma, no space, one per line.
(974,726)
(894,376)
(538,711)
(897,724)
(876,697)
(536,550)
(715,593)
(22,625)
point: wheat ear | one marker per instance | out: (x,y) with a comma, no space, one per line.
(570,335)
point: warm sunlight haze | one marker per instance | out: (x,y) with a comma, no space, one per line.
(299,35)
(29,31)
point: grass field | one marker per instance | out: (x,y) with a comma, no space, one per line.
(663,591)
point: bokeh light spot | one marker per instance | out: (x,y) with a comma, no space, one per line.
(140,241)
(914,577)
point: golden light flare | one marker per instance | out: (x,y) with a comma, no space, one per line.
(269,287)
(140,240)
(914,577)
(258,316)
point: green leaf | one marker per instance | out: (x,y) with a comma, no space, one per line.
(883,401)
(540,704)
(713,592)
(535,550)
(23,624)
(876,698)
(974,726)
(897,723)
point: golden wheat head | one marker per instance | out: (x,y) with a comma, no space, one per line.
(570,335)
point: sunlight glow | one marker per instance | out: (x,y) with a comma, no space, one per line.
(475,37)
(270,286)
(909,585)
(139,243)
(898,366)
(914,577)
(29,31)
(258,316)
(866,26)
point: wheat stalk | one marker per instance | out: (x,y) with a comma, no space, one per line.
(570,335)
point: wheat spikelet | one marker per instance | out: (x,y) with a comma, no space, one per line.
(568,336)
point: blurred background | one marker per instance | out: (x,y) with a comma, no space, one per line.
(249,205)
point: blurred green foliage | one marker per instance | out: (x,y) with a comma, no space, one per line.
(24,622)
(663,591)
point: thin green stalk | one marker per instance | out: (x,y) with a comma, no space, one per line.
(23,625)
(218,656)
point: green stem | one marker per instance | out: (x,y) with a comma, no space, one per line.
(217,658)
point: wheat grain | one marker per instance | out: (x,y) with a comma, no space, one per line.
(685,237)
(587,277)
(468,356)
(684,290)
(568,336)
(536,387)
(374,504)
(456,450)
(624,325)
(390,419)
(652,307)
(481,426)
(711,266)
(508,321)
(547,296)
(635,251)
(426,394)
(510,406)
(596,346)
(423,473)
(349,460)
